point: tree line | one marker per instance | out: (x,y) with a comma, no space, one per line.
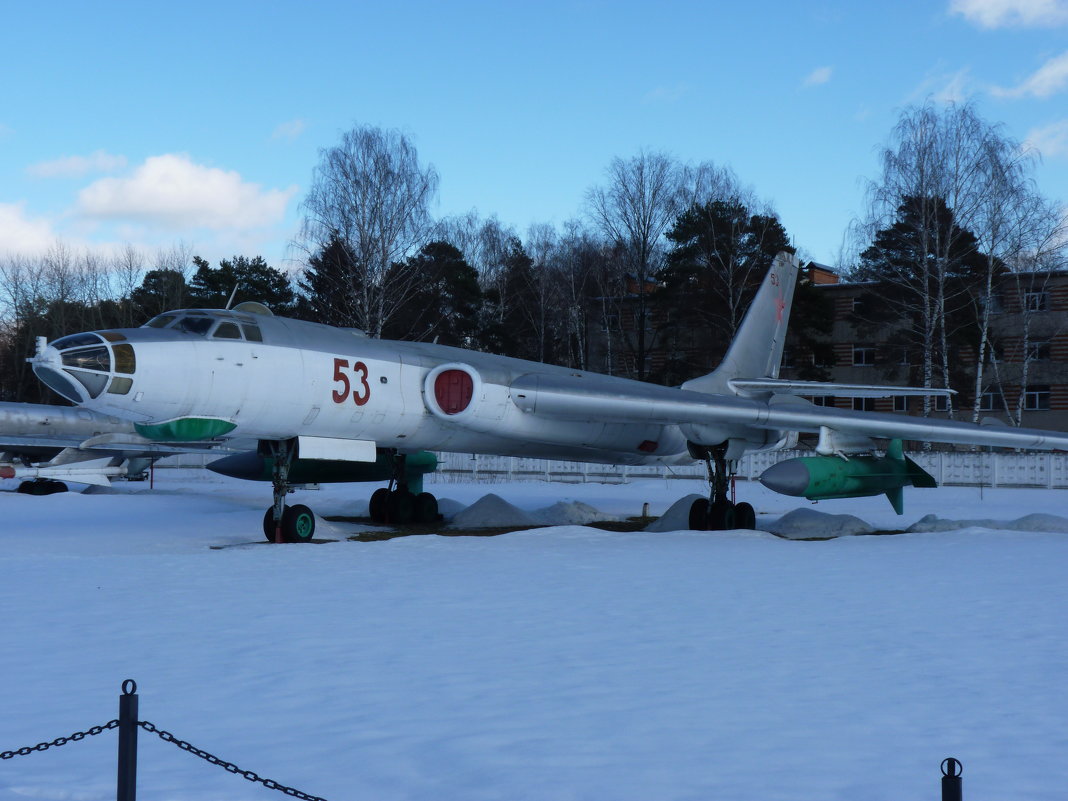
(650,281)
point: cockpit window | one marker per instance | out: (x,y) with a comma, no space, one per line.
(252,333)
(162,321)
(76,340)
(120,385)
(88,359)
(227,331)
(194,325)
(93,382)
(125,362)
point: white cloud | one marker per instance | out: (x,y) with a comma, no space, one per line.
(955,89)
(944,87)
(290,130)
(20,234)
(77,166)
(1050,78)
(173,192)
(1051,140)
(1012,13)
(818,76)
(666,94)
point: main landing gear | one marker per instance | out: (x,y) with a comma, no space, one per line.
(281,522)
(401,503)
(719,512)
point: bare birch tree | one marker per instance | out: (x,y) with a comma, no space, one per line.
(370,195)
(931,194)
(633,209)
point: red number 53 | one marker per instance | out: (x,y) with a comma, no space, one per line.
(362,393)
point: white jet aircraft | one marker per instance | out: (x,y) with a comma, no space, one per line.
(318,395)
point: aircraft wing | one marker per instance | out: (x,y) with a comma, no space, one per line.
(779,386)
(601,399)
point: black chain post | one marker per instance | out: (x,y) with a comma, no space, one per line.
(951,772)
(126,787)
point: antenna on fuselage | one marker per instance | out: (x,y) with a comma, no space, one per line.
(231,300)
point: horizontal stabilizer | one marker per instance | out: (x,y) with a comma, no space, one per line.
(918,476)
(824,389)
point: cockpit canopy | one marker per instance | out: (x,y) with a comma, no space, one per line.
(211,325)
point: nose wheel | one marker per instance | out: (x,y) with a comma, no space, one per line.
(281,522)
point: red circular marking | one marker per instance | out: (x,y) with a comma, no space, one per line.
(453,390)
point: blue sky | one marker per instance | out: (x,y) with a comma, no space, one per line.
(124,122)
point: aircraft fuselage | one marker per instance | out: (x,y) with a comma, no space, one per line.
(211,372)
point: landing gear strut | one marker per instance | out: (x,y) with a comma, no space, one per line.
(283,523)
(719,512)
(403,501)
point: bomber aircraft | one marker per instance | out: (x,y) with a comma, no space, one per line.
(324,400)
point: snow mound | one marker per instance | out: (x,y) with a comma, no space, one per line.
(492,510)
(448,508)
(809,524)
(1035,521)
(677,517)
(570,513)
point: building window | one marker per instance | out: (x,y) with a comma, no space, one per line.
(988,401)
(1038,351)
(787,357)
(1036,301)
(941,403)
(823,356)
(1036,399)
(901,403)
(863,356)
(823,400)
(903,358)
(864,404)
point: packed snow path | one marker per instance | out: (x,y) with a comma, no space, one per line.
(558,663)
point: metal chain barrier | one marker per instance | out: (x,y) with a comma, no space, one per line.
(78,735)
(230,767)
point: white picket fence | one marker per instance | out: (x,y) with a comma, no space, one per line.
(1048,470)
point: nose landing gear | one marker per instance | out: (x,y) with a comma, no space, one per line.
(281,522)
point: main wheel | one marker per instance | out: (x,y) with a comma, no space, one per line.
(699,515)
(298,523)
(400,508)
(426,508)
(268,523)
(720,516)
(379,505)
(745,516)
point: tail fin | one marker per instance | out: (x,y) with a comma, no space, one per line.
(757,347)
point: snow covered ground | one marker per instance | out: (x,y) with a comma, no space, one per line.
(556,663)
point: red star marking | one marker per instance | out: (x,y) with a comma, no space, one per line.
(780,307)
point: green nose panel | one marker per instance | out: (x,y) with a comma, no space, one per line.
(185,429)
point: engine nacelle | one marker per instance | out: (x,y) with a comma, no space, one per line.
(456,393)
